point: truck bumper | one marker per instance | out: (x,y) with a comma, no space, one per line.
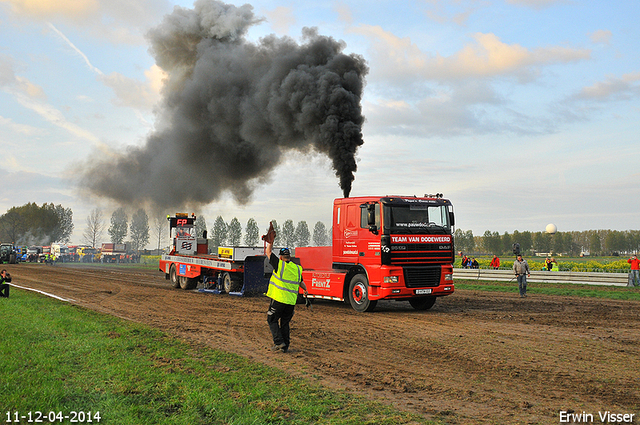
(392,284)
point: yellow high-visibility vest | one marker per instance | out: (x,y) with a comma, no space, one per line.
(284,282)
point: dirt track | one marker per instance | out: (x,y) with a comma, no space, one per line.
(474,358)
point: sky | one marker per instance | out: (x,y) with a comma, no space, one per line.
(521,112)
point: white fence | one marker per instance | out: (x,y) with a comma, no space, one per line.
(590,278)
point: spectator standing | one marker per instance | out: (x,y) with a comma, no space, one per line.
(495,262)
(5,278)
(634,274)
(521,269)
(547,264)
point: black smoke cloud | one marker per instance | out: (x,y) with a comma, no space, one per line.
(232,109)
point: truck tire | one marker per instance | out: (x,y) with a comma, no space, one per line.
(173,277)
(359,294)
(12,259)
(422,303)
(188,282)
(231,282)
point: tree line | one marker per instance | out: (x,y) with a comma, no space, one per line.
(290,235)
(593,242)
(31,224)
(43,225)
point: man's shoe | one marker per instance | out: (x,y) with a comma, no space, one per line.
(279,347)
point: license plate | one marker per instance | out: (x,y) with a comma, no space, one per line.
(423,291)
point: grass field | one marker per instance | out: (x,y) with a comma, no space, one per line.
(60,358)
(563,289)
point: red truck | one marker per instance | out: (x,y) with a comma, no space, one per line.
(383,248)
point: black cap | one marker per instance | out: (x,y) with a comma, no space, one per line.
(285,251)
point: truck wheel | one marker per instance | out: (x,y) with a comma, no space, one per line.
(230,282)
(12,259)
(359,294)
(173,276)
(188,282)
(424,303)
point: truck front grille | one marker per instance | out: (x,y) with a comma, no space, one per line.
(415,277)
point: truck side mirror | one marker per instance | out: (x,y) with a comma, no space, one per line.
(452,218)
(371,218)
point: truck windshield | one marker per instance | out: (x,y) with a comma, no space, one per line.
(417,219)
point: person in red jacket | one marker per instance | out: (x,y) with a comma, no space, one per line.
(495,262)
(634,275)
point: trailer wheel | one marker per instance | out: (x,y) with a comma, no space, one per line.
(188,282)
(424,303)
(359,294)
(173,276)
(230,282)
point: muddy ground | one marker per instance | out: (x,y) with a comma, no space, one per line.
(474,358)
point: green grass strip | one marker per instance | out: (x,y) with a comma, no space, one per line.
(62,358)
(562,289)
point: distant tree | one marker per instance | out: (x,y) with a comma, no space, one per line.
(614,241)
(542,242)
(63,229)
(34,225)
(302,234)
(559,244)
(506,242)
(289,234)
(201,226)
(492,243)
(13,226)
(139,229)
(525,240)
(320,234)
(251,233)
(160,227)
(118,229)
(219,233)
(234,232)
(464,240)
(95,227)
(595,245)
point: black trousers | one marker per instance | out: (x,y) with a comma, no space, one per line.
(278,318)
(4,290)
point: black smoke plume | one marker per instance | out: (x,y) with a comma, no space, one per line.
(231,110)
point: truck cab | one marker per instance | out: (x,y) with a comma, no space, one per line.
(393,247)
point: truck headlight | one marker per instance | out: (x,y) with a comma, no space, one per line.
(390,279)
(448,276)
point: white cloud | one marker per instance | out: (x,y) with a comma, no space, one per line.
(487,56)
(457,12)
(281,19)
(55,117)
(601,36)
(613,88)
(27,130)
(538,4)
(12,82)
(134,93)
(119,21)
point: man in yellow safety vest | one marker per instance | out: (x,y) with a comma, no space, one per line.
(283,291)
